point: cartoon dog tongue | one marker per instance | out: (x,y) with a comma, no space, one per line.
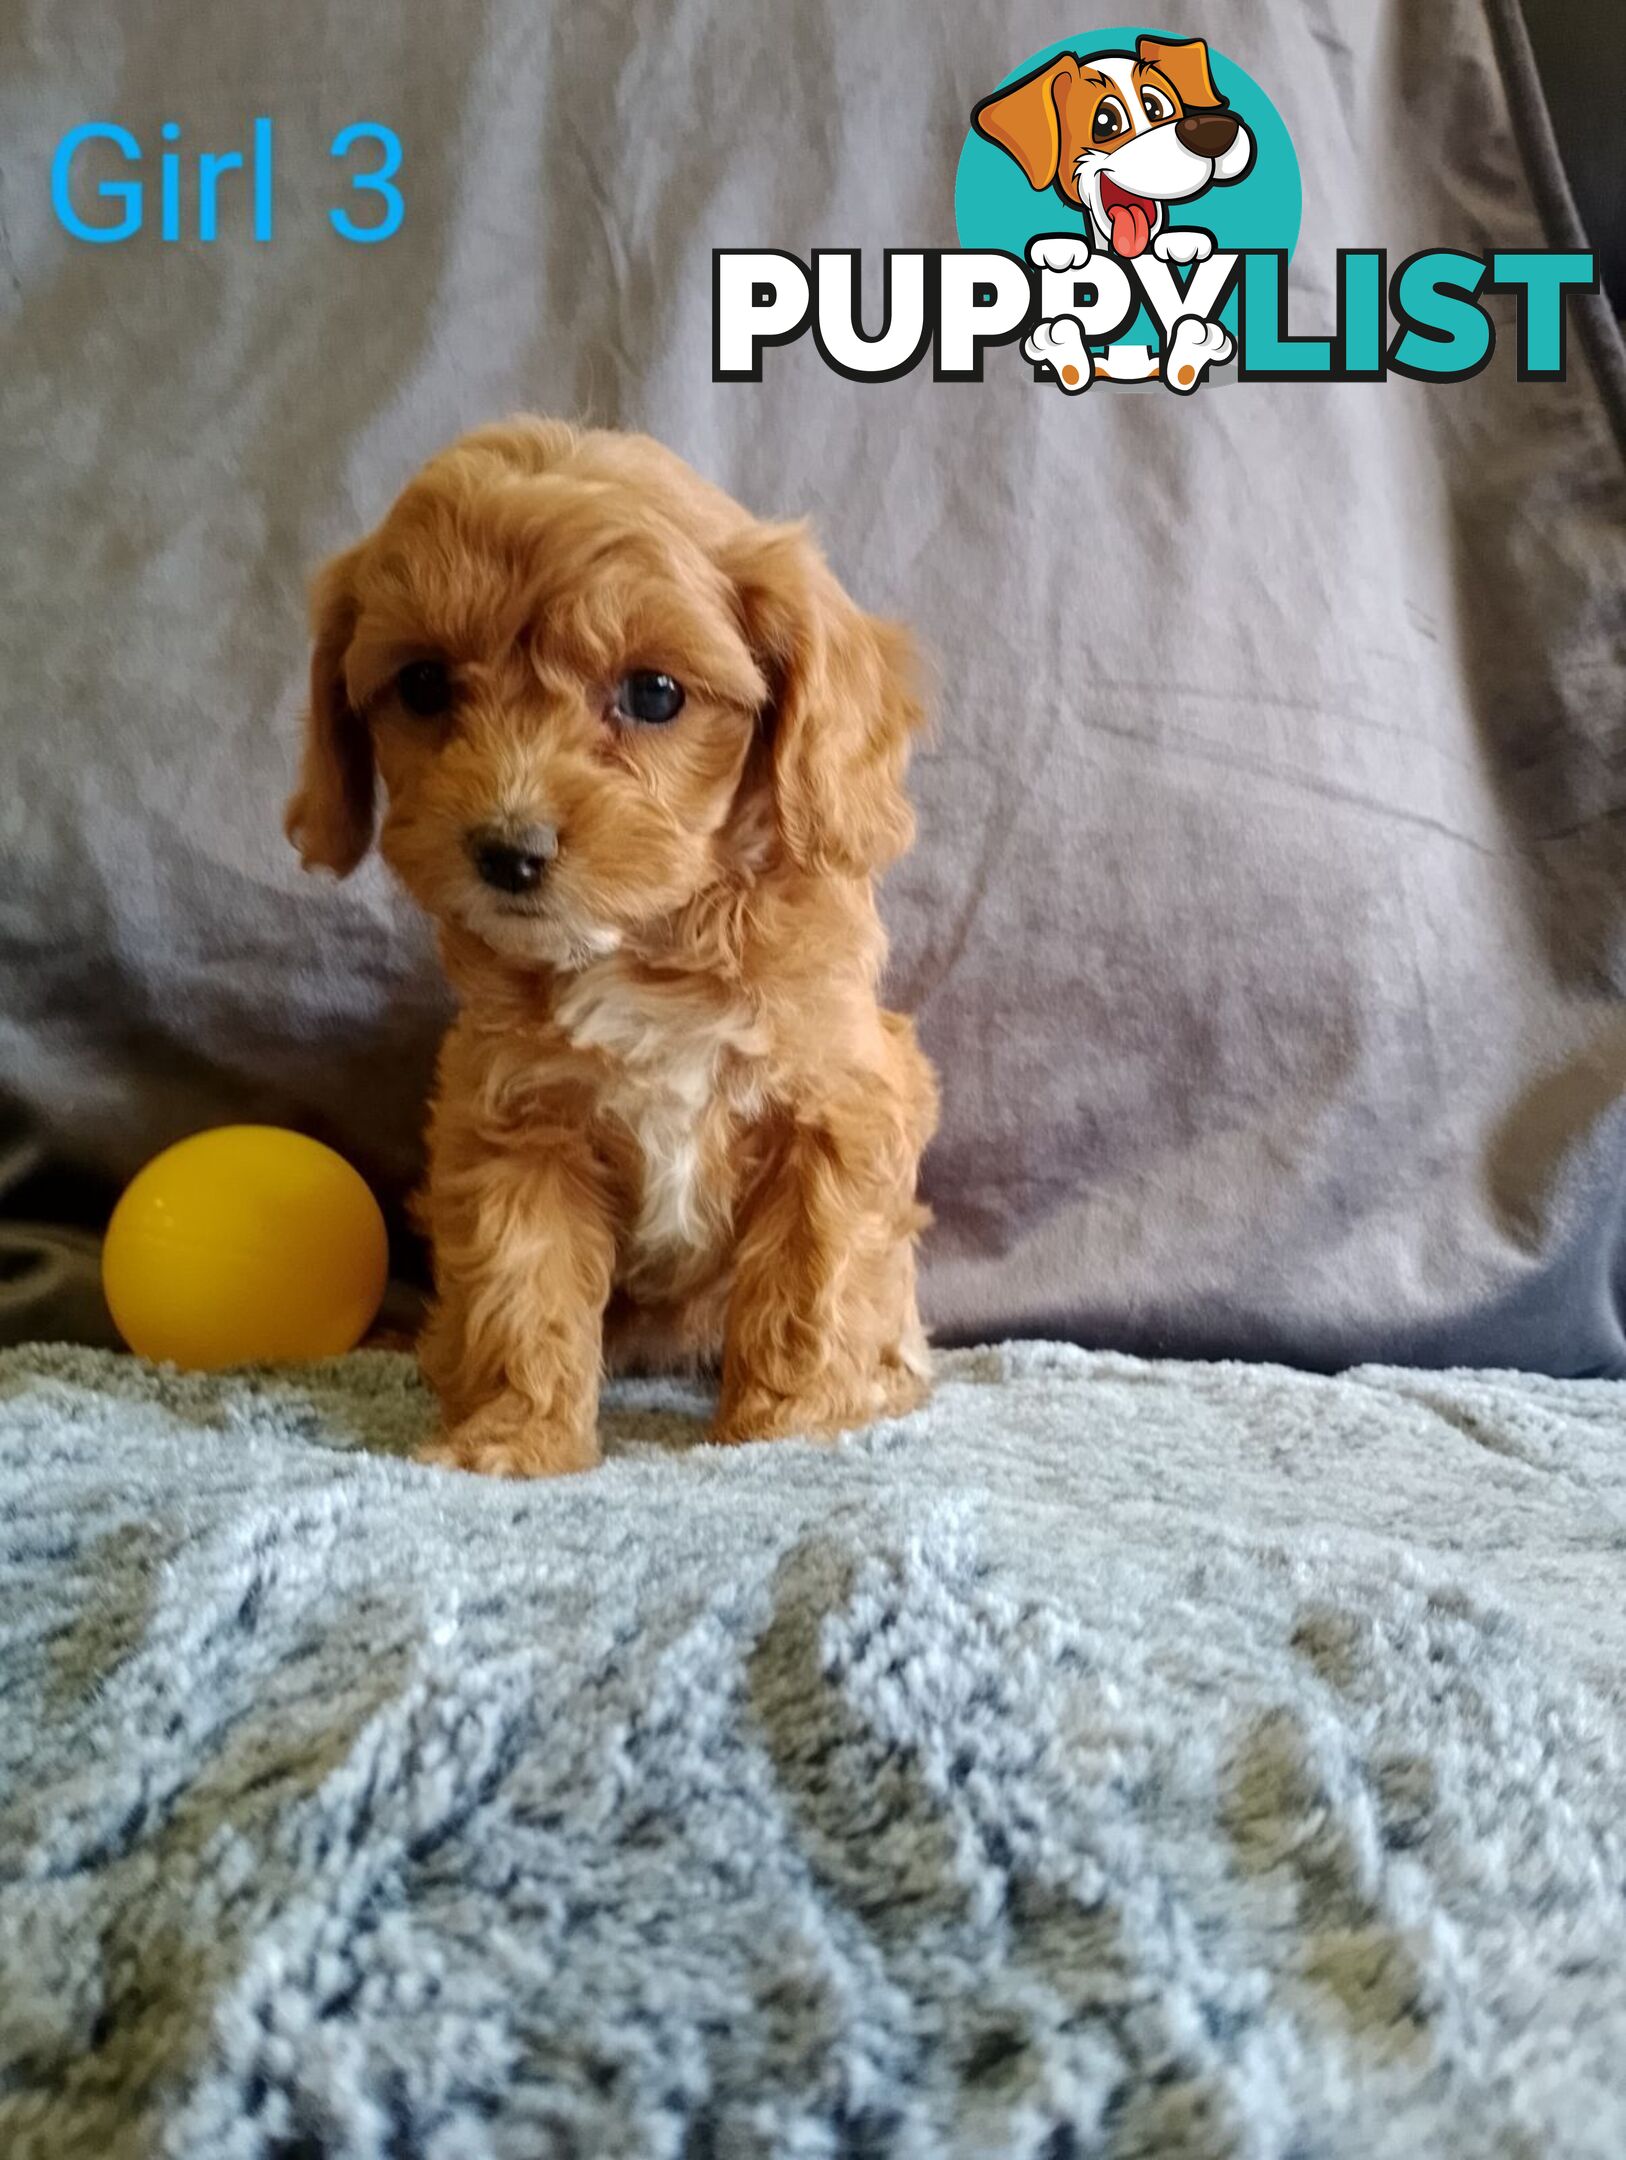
(1131,222)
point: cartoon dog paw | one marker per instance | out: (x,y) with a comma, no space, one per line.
(1194,348)
(1060,345)
(1183,244)
(1059,251)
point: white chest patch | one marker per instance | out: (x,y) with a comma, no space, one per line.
(667,1127)
(666,1045)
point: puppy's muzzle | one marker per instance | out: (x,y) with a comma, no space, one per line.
(512,859)
(1208,134)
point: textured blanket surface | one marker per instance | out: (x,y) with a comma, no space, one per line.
(1115,1758)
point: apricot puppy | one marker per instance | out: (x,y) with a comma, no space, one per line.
(642,758)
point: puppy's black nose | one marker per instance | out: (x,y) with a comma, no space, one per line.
(1209,134)
(513,859)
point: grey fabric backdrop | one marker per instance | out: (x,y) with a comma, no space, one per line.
(1267,922)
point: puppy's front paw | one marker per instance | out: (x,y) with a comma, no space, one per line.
(507,1438)
(1060,345)
(1183,244)
(1194,348)
(760,1413)
(1059,251)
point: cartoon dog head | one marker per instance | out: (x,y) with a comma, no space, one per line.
(1119,135)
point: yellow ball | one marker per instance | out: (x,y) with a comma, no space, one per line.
(243,1245)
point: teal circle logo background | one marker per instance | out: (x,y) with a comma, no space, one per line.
(995,208)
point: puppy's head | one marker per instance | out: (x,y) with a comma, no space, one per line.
(591,685)
(1118,135)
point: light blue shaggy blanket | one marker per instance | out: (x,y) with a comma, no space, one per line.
(1115,1758)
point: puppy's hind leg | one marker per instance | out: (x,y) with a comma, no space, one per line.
(1194,348)
(1059,347)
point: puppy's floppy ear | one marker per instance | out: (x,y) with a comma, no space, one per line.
(1185,62)
(1028,121)
(330,814)
(844,705)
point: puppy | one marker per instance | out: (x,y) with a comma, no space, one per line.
(642,758)
(1120,136)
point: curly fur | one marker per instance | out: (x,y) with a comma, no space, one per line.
(672,1120)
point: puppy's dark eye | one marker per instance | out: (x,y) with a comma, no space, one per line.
(425,688)
(1156,106)
(651,698)
(1110,120)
